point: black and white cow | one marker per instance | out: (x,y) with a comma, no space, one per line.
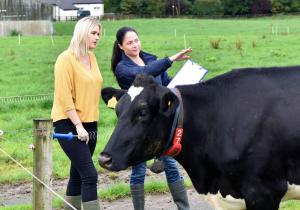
(241,132)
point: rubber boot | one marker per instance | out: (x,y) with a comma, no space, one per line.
(137,195)
(74,201)
(91,205)
(179,195)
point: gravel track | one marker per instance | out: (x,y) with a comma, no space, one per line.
(20,193)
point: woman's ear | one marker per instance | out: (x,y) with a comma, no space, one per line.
(120,46)
(169,103)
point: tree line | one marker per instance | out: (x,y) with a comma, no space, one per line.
(201,7)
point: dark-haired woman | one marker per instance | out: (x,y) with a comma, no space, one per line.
(127,61)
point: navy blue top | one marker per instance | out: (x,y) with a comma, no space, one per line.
(126,69)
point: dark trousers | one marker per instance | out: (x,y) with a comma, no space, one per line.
(83,174)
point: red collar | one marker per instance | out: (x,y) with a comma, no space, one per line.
(176,146)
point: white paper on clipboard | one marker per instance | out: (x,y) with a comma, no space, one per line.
(190,73)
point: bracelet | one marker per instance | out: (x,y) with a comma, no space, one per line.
(75,124)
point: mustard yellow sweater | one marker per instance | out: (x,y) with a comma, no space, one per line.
(76,88)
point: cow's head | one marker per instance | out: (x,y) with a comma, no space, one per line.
(145,114)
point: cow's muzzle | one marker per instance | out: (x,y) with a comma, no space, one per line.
(105,161)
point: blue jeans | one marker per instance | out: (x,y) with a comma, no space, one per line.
(139,171)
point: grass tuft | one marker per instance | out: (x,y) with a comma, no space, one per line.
(215,43)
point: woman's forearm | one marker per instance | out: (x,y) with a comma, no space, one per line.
(73,116)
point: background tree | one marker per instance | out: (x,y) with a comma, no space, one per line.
(170,8)
(152,7)
(295,6)
(261,7)
(207,7)
(162,8)
(143,7)
(186,7)
(285,6)
(179,7)
(237,7)
(112,6)
(129,7)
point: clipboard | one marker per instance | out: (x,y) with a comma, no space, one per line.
(190,73)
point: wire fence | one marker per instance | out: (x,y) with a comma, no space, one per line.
(16,133)
(38,97)
(34,176)
(13,135)
(25,131)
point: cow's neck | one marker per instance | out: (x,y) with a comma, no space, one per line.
(176,130)
(192,156)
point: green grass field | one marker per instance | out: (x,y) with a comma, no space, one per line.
(27,69)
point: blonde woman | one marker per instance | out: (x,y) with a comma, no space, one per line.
(78,82)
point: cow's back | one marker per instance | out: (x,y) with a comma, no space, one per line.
(248,123)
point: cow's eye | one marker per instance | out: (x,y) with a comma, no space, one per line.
(143,113)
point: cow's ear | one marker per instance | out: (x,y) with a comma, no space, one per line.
(109,92)
(169,103)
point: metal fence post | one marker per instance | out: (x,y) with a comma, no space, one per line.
(42,164)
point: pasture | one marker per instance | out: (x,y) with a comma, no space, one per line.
(27,69)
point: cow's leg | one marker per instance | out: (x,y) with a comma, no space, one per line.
(218,202)
(293,193)
(259,196)
(260,201)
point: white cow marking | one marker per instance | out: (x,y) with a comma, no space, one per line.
(134,91)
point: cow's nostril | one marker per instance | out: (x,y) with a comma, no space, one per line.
(105,160)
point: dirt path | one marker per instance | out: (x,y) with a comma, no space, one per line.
(20,193)
(152,202)
(159,202)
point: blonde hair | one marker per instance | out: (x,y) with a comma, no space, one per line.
(79,42)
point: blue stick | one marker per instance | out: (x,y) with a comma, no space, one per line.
(64,136)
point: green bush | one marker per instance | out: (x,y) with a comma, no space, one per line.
(15,33)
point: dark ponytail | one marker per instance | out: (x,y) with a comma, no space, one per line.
(117,51)
(116,56)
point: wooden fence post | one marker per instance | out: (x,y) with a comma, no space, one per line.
(42,164)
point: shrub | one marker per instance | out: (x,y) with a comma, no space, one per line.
(15,33)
